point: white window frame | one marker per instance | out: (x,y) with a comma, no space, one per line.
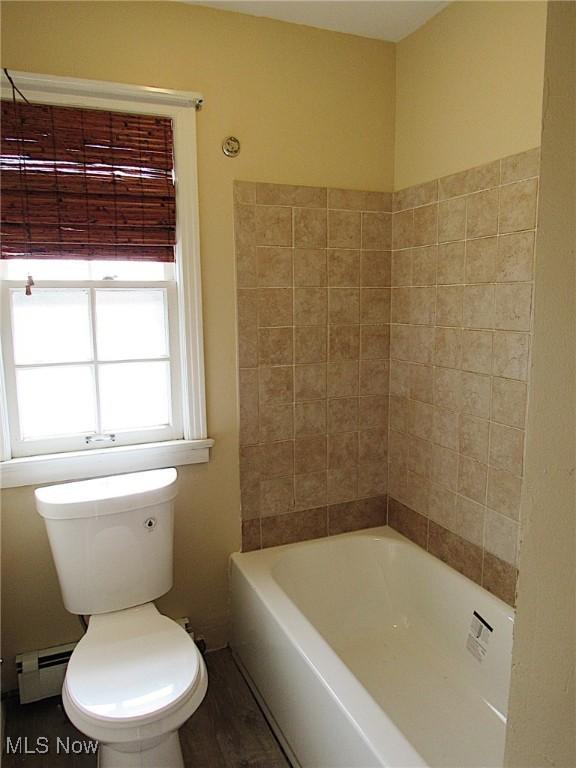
(180,107)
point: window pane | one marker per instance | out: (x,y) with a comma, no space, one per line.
(51,326)
(134,395)
(130,324)
(77,269)
(56,401)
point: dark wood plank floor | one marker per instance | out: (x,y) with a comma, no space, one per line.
(227,731)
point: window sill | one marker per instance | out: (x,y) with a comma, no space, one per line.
(79,465)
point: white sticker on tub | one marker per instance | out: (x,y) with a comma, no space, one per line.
(477,642)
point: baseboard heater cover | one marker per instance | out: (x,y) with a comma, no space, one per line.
(41,673)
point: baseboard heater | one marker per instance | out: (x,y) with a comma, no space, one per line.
(41,673)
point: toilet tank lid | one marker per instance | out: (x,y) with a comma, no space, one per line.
(106,495)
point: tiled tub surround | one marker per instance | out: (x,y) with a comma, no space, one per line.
(461,319)
(313,278)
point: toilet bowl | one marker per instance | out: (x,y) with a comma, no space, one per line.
(131,682)
(136,676)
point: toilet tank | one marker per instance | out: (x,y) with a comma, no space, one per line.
(111,539)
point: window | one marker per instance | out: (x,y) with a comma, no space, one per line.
(102,355)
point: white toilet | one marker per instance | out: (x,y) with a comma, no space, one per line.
(136,676)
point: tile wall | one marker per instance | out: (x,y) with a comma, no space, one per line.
(383,349)
(461,319)
(313,279)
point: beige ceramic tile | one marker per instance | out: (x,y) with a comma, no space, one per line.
(372,479)
(342,485)
(343,268)
(403,229)
(310,306)
(515,257)
(274,266)
(378,201)
(422,343)
(275,346)
(342,414)
(452,220)
(287,194)
(343,378)
(310,418)
(448,388)
(424,262)
(449,305)
(472,479)
(343,229)
(400,342)
(276,422)
(375,305)
(509,402)
(374,342)
(244,192)
(482,214)
(513,306)
(310,344)
(401,273)
(472,180)
(343,342)
(448,347)
(295,526)
(355,515)
(277,495)
(408,522)
(400,378)
(309,266)
(246,266)
(521,166)
(376,231)
(274,307)
(276,384)
(478,306)
(249,424)
(244,225)
(470,520)
(375,268)
(374,377)
(421,419)
(273,225)
(426,225)
(399,413)
(247,328)
(474,437)
(309,382)
(476,393)
(310,454)
(411,197)
(310,227)
(417,493)
(373,412)
(518,206)
(422,383)
(342,450)
(423,305)
(343,305)
(400,305)
(445,467)
(276,459)
(446,428)
(481,257)
(310,490)
(499,578)
(419,459)
(504,490)
(372,446)
(477,351)
(451,263)
(347,199)
(507,448)
(501,536)
(511,353)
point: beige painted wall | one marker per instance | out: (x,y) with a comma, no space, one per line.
(469,88)
(542,714)
(310,107)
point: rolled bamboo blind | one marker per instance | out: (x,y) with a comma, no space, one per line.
(86,184)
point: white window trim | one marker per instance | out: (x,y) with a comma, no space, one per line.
(181,107)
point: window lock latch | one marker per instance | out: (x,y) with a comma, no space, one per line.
(109,438)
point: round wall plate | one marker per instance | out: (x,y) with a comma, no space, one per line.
(231,146)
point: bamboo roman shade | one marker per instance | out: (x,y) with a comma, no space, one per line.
(86,184)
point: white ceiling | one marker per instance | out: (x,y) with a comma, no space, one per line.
(381,19)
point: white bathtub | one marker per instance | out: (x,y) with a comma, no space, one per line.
(356,646)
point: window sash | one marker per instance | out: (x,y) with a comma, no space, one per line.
(30,447)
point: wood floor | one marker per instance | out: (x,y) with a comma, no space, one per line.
(227,731)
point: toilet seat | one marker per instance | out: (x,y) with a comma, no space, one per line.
(133,668)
